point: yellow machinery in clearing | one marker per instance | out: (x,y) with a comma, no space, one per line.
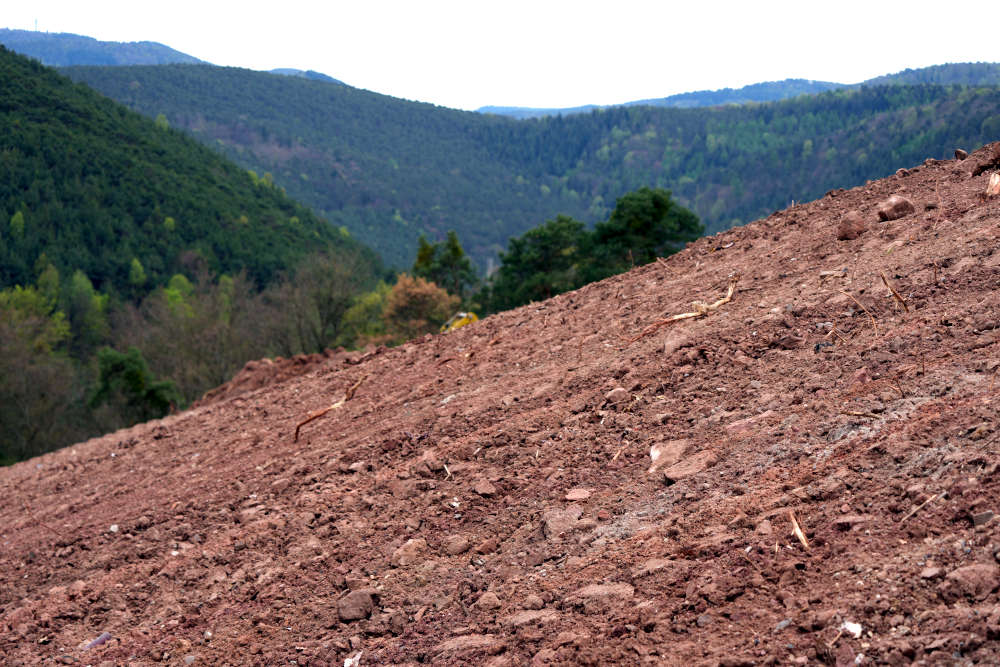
(458,320)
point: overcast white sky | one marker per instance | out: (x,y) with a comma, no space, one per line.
(540,53)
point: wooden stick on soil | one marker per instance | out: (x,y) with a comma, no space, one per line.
(798,531)
(899,387)
(700,310)
(339,404)
(852,413)
(894,292)
(39,522)
(834,332)
(917,508)
(875,326)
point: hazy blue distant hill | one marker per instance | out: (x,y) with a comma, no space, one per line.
(962,74)
(305,74)
(770,91)
(65,49)
(521,113)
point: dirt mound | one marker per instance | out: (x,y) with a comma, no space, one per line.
(489,496)
(265,372)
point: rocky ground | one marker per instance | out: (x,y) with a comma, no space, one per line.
(491,495)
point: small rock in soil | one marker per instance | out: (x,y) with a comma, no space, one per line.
(559,521)
(692,465)
(982,518)
(894,208)
(484,488)
(601,592)
(411,552)
(616,396)
(577,494)
(455,545)
(849,521)
(488,601)
(960,154)
(533,602)
(851,226)
(355,605)
(667,453)
(972,581)
(488,546)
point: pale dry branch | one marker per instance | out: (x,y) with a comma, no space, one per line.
(895,294)
(798,531)
(867,415)
(339,404)
(700,310)
(862,306)
(917,508)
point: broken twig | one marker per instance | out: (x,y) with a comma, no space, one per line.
(900,299)
(867,415)
(834,332)
(798,531)
(875,326)
(39,521)
(339,404)
(917,508)
(700,310)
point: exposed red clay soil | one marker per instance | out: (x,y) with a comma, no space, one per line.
(486,496)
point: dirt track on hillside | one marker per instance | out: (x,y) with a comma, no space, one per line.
(486,496)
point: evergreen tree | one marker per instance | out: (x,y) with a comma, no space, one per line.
(445,264)
(126,378)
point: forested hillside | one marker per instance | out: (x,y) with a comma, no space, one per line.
(961,74)
(386,168)
(139,268)
(389,169)
(96,187)
(64,49)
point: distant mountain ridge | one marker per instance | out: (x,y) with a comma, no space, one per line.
(965,74)
(306,74)
(67,49)
(769,91)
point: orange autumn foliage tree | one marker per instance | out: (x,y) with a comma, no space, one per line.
(416,306)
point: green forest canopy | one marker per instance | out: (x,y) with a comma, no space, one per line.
(101,189)
(390,170)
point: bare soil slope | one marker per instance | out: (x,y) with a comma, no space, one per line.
(486,496)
